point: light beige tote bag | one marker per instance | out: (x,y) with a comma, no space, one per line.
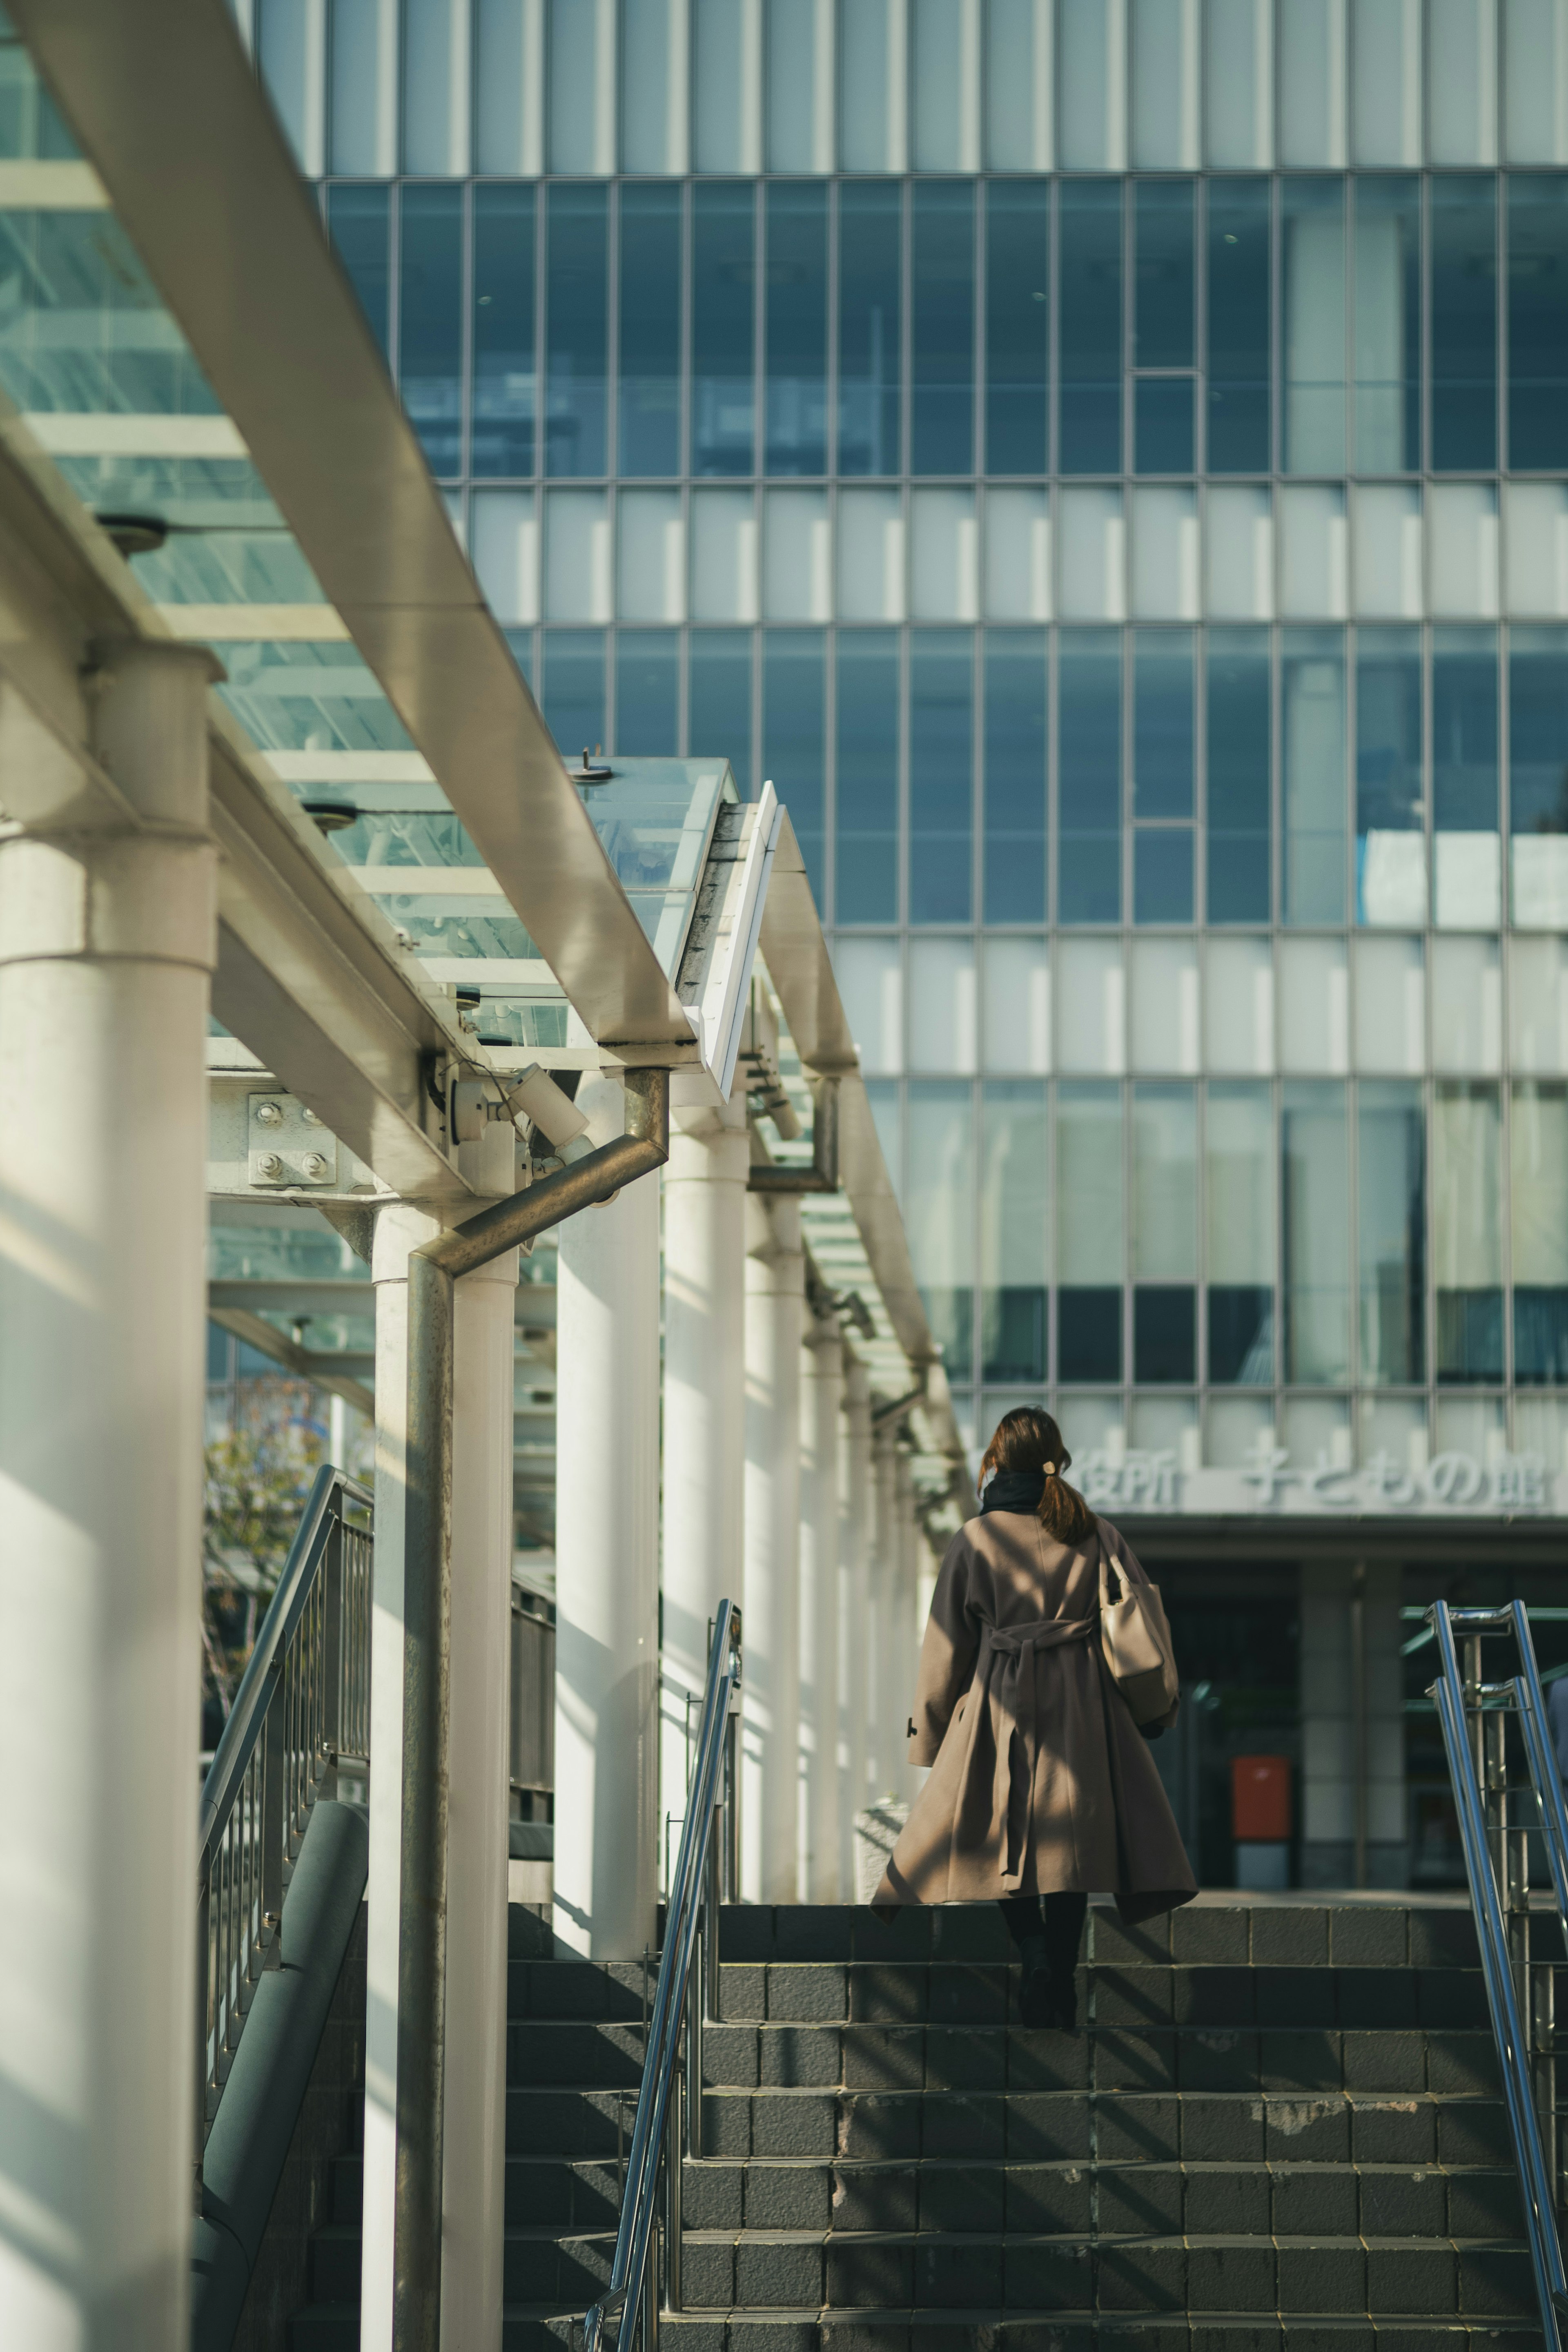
(1137,1643)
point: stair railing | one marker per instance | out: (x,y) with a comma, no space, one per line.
(302,1713)
(1473,1716)
(657,2137)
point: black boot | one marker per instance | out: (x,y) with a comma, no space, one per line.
(1064,1932)
(1038,2001)
(1060,2002)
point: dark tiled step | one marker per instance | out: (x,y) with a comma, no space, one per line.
(1359,1934)
(1092,2200)
(988,2329)
(334,2264)
(1343,2276)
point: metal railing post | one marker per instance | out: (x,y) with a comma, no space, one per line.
(1472,1714)
(658,2133)
(274,1829)
(674,2187)
(332,1647)
(204,2011)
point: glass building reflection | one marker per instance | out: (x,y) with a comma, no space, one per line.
(1128,520)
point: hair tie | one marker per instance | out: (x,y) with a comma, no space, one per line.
(1048,1469)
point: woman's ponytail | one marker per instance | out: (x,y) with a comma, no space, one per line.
(1028,1440)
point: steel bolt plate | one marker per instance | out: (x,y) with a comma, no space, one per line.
(288,1146)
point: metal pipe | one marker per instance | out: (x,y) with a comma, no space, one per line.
(427,1596)
(1358,1715)
(1542,1764)
(822,1174)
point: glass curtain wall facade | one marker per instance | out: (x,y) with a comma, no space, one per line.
(1108,465)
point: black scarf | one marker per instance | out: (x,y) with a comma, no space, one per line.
(1014,1490)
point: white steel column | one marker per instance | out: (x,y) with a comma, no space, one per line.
(854,1537)
(107,942)
(607,1565)
(887,1703)
(705,1408)
(399,1229)
(822,1397)
(770,1776)
(479,1746)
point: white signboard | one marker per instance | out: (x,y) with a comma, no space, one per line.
(1451,1486)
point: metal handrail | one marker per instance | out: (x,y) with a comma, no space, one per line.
(1507,2000)
(656,2134)
(303,1706)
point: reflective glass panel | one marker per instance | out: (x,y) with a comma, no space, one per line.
(866,880)
(1313,236)
(942,399)
(1312,728)
(1163,283)
(1538,777)
(1162,420)
(797,328)
(505,384)
(1237,243)
(1014,1160)
(1390,850)
(1464,321)
(429,321)
(1089,232)
(1537,318)
(941,773)
(1391,1231)
(794,747)
(1387,324)
(650,411)
(1018,325)
(1089,775)
(1239,1234)
(1162,722)
(576,329)
(1538,1139)
(572,699)
(939,1213)
(1162,874)
(1165,1234)
(722,285)
(1465,860)
(870,330)
(1015,797)
(718,719)
(1467,1232)
(1237,833)
(1089,1231)
(1315,1176)
(647,692)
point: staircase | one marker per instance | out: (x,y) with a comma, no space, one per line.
(1280,2127)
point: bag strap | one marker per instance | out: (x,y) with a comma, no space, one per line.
(1106,1600)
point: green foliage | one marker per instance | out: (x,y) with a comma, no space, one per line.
(256,1482)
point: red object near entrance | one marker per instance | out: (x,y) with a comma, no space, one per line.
(1260,1797)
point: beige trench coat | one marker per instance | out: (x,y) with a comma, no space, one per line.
(1041,1780)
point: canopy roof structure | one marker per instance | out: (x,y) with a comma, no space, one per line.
(412,882)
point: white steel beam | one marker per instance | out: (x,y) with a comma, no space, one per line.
(165,102)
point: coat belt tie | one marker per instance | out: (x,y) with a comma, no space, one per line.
(1005,1679)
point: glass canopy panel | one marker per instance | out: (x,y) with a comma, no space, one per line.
(107,383)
